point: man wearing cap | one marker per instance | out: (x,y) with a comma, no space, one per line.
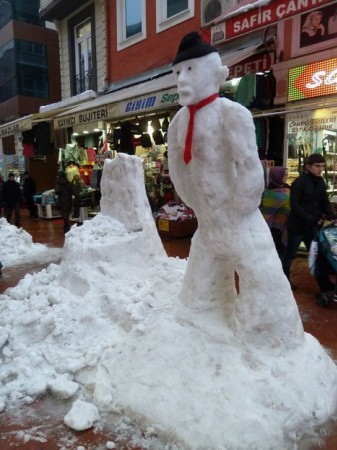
(11,194)
(216,170)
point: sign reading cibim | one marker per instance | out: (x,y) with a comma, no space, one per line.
(118,109)
(313,80)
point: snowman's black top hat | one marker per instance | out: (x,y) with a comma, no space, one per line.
(192,46)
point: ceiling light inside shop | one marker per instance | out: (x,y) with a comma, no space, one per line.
(75,134)
(99,126)
(85,132)
(235,81)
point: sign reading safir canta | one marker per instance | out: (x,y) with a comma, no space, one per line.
(261,17)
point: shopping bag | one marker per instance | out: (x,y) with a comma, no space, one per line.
(313,252)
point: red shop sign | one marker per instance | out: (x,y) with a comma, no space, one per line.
(257,63)
(261,17)
(312,80)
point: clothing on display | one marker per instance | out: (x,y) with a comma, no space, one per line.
(86,173)
(91,154)
(28,149)
(43,145)
(8,145)
(37,140)
(256,91)
(70,153)
(70,170)
(96,176)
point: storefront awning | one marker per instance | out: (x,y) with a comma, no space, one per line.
(297,107)
(140,99)
(26,123)
(235,56)
(16,126)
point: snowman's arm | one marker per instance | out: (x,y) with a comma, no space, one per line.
(249,180)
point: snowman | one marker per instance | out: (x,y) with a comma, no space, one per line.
(233,268)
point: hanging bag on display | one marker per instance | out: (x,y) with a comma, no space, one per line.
(155,124)
(158,137)
(146,140)
(143,125)
(165,125)
(110,135)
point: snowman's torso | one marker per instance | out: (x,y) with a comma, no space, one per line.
(206,183)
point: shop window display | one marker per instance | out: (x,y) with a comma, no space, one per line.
(144,137)
(313,132)
(87,162)
(147,139)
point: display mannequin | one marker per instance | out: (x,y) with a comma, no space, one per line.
(71,169)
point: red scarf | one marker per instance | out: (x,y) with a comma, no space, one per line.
(189,135)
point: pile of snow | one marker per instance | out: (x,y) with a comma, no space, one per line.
(107,330)
(17,247)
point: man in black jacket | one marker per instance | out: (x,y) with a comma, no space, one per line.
(11,195)
(29,190)
(309,205)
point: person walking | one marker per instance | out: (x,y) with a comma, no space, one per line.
(275,207)
(29,190)
(309,207)
(11,196)
(64,191)
(78,187)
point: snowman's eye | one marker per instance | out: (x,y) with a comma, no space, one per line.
(190,68)
(178,72)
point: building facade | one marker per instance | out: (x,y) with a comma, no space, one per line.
(29,73)
(116,60)
(116,55)
(304,65)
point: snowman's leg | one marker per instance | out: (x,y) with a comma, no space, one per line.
(265,306)
(209,279)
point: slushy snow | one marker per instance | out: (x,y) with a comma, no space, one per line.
(17,247)
(106,329)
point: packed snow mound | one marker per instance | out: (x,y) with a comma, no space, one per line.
(106,329)
(17,247)
(123,344)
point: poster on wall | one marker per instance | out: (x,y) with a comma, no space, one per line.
(319,25)
(316,30)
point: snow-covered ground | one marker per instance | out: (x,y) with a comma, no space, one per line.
(17,247)
(106,331)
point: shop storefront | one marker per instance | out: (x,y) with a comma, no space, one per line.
(294,38)
(311,119)
(11,150)
(27,144)
(133,120)
(136,120)
(252,84)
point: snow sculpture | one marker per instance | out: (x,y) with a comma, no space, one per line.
(106,329)
(216,170)
(123,199)
(123,182)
